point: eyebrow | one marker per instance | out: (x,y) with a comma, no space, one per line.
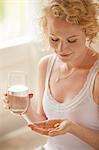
(72,36)
(68,37)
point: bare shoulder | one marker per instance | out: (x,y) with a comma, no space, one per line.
(44,61)
(42,68)
(96,88)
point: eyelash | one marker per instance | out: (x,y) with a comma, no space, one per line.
(72,41)
(67,40)
(54,40)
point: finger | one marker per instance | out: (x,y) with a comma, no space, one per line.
(40,124)
(7,107)
(56,132)
(30,95)
(5,94)
(37,125)
(39,130)
(52,130)
(31,125)
(5,100)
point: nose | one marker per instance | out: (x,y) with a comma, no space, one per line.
(62,46)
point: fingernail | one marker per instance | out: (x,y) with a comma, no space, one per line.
(30,95)
(29,125)
(5,94)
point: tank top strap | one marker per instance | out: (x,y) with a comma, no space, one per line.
(92,75)
(50,66)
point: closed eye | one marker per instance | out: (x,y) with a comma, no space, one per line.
(55,40)
(72,41)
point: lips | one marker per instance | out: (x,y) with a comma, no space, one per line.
(64,55)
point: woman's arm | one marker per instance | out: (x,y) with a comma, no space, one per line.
(96,89)
(38,114)
(87,135)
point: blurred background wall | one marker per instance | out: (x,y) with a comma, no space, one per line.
(20,49)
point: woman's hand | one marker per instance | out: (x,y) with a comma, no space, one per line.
(6,103)
(8,100)
(52,127)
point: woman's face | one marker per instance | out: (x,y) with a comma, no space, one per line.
(67,40)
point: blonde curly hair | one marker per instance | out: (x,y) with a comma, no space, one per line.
(82,12)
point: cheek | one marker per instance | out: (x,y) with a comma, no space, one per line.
(81,44)
(77,49)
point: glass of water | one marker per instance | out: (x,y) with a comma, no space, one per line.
(17,92)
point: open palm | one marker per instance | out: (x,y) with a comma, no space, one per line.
(51,127)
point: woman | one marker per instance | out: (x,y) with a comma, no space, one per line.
(69,78)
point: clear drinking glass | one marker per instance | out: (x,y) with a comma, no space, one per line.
(17,92)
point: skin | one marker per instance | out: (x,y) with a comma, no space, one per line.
(68,42)
(78,60)
(66,38)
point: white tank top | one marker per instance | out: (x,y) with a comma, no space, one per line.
(81,109)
